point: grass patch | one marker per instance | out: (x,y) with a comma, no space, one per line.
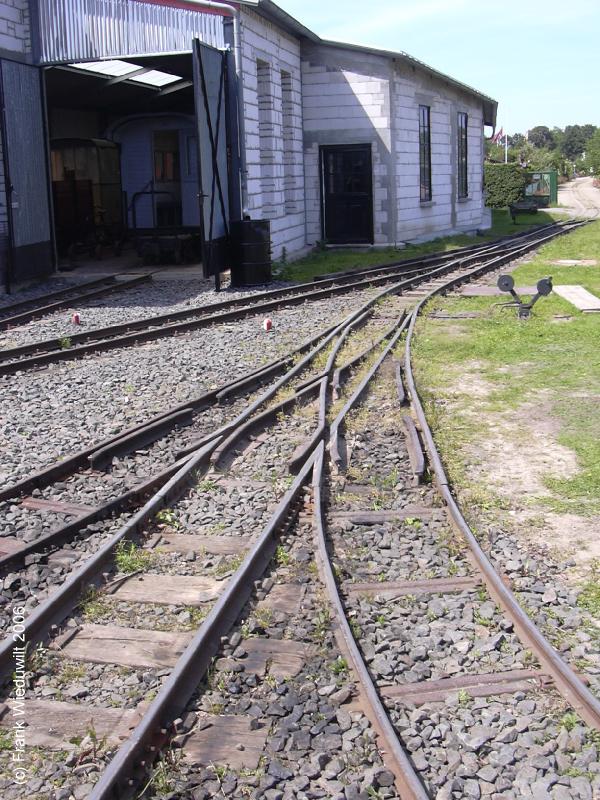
(131,558)
(519,362)
(589,597)
(323,262)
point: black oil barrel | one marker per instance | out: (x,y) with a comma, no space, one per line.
(251,252)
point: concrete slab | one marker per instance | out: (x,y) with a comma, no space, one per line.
(579,297)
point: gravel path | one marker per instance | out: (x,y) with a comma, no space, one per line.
(51,413)
(149,299)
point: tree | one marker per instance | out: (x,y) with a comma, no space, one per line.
(540,136)
(517,140)
(576,139)
(592,153)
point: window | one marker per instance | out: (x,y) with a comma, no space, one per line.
(463,186)
(166,156)
(425,153)
(287,130)
(266,138)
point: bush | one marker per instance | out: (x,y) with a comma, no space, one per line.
(504,184)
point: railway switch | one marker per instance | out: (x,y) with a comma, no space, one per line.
(506,283)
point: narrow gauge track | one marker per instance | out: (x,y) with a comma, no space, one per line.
(87,494)
(37,307)
(124,335)
(156,725)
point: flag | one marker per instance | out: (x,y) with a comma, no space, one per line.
(497,138)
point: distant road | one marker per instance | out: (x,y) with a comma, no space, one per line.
(580,198)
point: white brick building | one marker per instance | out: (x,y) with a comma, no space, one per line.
(342,144)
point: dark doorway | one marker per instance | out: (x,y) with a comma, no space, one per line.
(347,194)
(167,179)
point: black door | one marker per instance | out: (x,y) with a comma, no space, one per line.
(347,194)
(211,92)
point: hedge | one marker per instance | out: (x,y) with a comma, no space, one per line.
(504,184)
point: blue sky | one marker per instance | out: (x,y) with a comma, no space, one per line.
(554,44)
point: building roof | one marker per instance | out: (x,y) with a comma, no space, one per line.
(275,14)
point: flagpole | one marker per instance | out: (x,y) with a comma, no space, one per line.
(506,148)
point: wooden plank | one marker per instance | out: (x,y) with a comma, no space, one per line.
(484,685)
(284,598)
(40,504)
(281,658)
(226,740)
(52,724)
(128,647)
(10,545)
(400,588)
(181,590)
(368,517)
(578,297)
(215,545)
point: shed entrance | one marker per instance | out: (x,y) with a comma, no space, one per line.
(347,194)
(171,121)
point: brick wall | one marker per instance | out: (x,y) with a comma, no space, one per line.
(273,121)
(15,32)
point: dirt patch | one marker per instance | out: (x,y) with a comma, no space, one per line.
(513,456)
(521,450)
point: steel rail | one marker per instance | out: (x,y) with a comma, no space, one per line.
(82,297)
(147,331)
(568,682)
(13,308)
(407,782)
(152,327)
(81,459)
(153,731)
(442,256)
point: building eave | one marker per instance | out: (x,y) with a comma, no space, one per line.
(275,14)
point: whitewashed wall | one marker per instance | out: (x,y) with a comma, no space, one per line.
(346,101)
(446,213)
(350,97)
(14,26)
(275,182)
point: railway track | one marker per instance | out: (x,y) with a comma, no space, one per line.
(75,346)
(24,311)
(221,461)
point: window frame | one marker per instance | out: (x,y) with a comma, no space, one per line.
(425,188)
(462,155)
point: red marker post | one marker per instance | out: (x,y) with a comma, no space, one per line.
(75,319)
(267,324)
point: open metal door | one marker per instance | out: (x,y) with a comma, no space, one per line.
(26,178)
(214,120)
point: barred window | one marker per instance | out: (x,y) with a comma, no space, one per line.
(462,122)
(425,153)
